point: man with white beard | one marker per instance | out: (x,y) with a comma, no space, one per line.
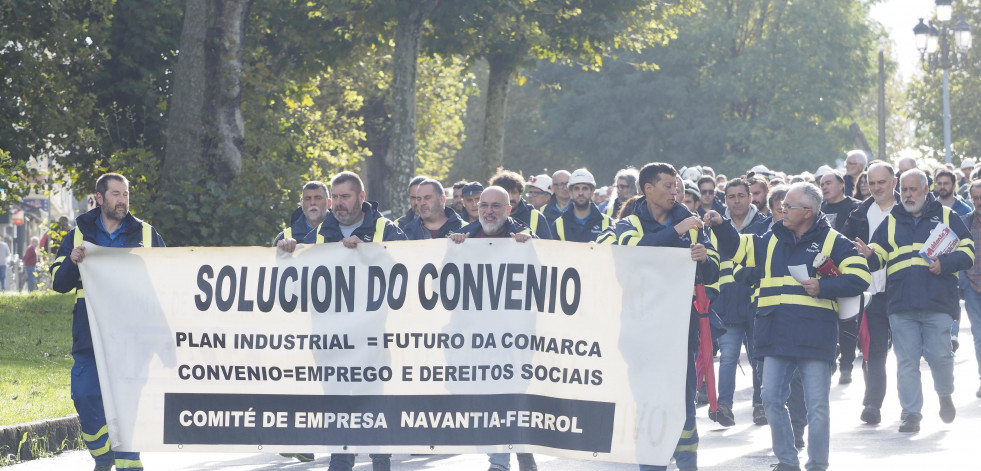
(922,298)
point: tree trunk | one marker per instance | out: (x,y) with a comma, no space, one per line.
(408,33)
(224,104)
(377,130)
(502,69)
(185,128)
(206,130)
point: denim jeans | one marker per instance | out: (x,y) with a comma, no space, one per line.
(815,376)
(31,278)
(730,345)
(501,461)
(345,461)
(972,301)
(924,334)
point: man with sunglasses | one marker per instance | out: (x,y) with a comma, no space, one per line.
(626,187)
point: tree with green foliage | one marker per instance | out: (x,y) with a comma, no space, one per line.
(745,82)
(510,35)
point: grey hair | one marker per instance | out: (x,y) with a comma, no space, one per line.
(810,195)
(859,156)
(917,172)
(630,174)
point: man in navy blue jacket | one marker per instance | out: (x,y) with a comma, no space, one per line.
(921,295)
(312,211)
(658,220)
(494,206)
(434,219)
(109,225)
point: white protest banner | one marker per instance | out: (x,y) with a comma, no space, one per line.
(567,349)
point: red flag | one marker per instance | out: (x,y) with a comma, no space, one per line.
(704,366)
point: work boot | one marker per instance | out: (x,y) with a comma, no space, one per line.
(526,462)
(701,398)
(759,414)
(845,377)
(723,416)
(911,424)
(301,457)
(947,409)
(871,415)
(784,467)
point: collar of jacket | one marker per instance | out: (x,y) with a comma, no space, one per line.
(678,212)
(523,207)
(594,213)
(451,216)
(750,217)
(87,220)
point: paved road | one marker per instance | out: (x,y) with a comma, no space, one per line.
(854,446)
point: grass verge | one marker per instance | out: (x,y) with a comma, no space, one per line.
(35,357)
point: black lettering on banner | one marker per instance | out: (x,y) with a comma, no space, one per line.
(473,286)
(288,305)
(495,289)
(450,271)
(244,305)
(226,274)
(512,286)
(535,288)
(203,303)
(321,276)
(345,288)
(570,276)
(447,420)
(376,276)
(428,271)
(266,303)
(398,272)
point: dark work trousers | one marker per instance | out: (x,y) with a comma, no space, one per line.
(847,341)
(875,367)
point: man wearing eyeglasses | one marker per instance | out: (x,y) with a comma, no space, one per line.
(626,186)
(539,191)
(494,206)
(521,211)
(559,202)
(796,322)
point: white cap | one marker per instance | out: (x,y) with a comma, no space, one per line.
(691,173)
(821,171)
(581,175)
(760,169)
(542,182)
(968,163)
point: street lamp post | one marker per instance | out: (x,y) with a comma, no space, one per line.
(935,53)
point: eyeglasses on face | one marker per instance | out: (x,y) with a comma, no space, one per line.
(788,207)
(708,192)
(623,187)
(494,206)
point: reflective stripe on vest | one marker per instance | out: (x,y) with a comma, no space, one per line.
(533,221)
(288,233)
(560,226)
(378,236)
(910,253)
(771,283)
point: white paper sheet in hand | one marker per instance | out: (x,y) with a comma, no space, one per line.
(799,272)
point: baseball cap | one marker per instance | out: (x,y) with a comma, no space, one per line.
(581,175)
(542,182)
(472,188)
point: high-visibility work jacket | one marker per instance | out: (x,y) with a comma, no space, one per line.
(596,223)
(65,275)
(374,228)
(527,215)
(909,283)
(790,322)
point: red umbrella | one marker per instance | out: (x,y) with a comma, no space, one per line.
(704,366)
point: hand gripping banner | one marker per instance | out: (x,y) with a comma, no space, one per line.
(574,350)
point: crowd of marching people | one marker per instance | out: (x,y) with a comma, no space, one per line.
(841,211)
(780,258)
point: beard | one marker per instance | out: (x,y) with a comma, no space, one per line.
(346,217)
(491,227)
(915,205)
(117,212)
